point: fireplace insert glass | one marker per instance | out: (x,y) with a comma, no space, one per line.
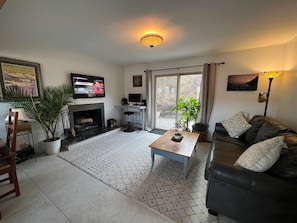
(87,118)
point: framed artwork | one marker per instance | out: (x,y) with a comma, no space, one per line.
(242,82)
(137,81)
(20,74)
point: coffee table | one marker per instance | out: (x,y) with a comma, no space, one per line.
(179,151)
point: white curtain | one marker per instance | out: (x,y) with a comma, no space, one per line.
(207,93)
(149,94)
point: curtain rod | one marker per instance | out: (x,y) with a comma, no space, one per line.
(174,68)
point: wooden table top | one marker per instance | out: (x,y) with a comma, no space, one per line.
(184,148)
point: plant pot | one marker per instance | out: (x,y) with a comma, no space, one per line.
(52,147)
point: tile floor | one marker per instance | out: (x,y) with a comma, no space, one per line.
(52,190)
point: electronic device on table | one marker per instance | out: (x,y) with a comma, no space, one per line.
(135,99)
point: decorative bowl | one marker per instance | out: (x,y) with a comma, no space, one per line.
(177,136)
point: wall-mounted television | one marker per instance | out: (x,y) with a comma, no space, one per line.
(87,86)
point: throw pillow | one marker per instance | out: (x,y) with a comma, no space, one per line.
(236,125)
(261,156)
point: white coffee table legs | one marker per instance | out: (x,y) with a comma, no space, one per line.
(172,156)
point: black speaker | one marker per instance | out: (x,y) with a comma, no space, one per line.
(144,102)
(124,101)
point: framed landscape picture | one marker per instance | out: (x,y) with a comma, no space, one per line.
(242,82)
(21,75)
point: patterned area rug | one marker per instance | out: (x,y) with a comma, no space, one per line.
(123,161)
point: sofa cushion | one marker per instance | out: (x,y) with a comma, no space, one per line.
(286,165)
(230,149)
(267,131)
(250,135)
(280,126)
(261,156)
(218,136)
(236,125)
(221,129)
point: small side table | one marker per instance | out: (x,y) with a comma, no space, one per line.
(203,135)
(24,128)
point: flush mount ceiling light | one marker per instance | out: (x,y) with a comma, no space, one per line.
(151,40)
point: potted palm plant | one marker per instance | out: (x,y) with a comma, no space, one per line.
(45,110)
(189,107)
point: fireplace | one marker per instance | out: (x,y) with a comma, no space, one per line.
(87,119)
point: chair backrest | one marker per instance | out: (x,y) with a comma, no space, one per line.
(12,130)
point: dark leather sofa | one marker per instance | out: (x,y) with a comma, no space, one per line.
(248,196)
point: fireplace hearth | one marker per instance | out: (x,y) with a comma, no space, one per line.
(86,121)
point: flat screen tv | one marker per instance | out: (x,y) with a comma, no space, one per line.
(87,86)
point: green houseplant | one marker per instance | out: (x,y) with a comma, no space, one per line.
(46,109)
(189,107)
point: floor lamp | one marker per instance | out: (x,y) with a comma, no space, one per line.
(264,97)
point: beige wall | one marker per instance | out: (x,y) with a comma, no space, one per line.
(227,103)
(287,91)
(56,67)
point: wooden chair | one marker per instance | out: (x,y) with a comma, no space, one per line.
(8,155)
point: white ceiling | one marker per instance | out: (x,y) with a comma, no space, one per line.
(111,29)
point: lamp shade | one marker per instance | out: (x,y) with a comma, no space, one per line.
(272,74)
(151,40)
(22,114)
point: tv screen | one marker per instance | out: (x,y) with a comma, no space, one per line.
(87,86)
(134,98)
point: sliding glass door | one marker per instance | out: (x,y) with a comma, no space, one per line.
(168,89)
(165,95)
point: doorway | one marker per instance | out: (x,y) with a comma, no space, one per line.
(168,89)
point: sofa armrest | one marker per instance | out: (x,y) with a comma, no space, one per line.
(234,175)
(227,190)
(241,194)
(261,183)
